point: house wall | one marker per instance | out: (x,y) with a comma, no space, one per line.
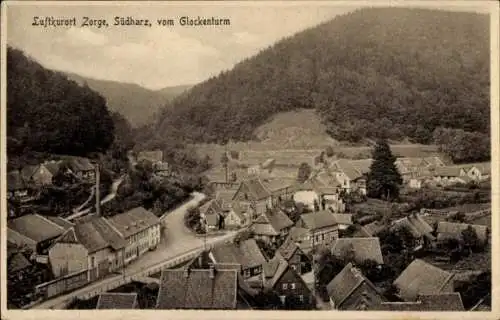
(344,181)
(363,292)
(141,242)
(67,258)
(290,284)
(233,220)
(307,198)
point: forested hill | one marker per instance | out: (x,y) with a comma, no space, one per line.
(377,72)
(48,113)
(137,104)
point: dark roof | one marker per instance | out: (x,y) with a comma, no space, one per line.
(225,197)
(421,278)
(362,248)
(17,262)
(80,164)
(35,227)
(15,181)
(256,190)
(434,302)
(447,229)
(344,283)
(117,300)
(247,253)
(361,232)
(133,221)
(28,171)
(61,222)
(374,227)
(196,289)
(278,219)
(449,171)
(318,220)
(287,249)
(273,271)
(94,235)
(343,218)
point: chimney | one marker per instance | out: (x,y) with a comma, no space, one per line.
(211,272)
(97,192)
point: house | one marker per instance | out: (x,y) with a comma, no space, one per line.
(93,246)
(198,289)
(432,302)
(271,225)
(246,253)
(419,181)
(27,173)
(140,229)
(100,245)
(322,229)
(358,250)
(43,173)
(452,230)
(255,194)
(374,228)
(82,168)
(433,162)
(117,300)
(294,256)
(422,278)
(318,194)
(34,231)
(237,216)
(17,189)
(278,276)
(479,171)
(448,175)
(279,189)
(351,290)
(351,174)
(211,215)
(155,156)
(344,220)
(162,169)
(418,227)
(409,167)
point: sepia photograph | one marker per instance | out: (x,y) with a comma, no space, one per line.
(249,156)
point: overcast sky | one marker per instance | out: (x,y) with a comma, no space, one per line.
(156,57)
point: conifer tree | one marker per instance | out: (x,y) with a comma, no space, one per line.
(384,179)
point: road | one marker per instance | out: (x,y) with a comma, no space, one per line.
(177,241)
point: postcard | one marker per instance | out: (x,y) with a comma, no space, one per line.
(257,159)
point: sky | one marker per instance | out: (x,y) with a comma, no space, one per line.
(156,57)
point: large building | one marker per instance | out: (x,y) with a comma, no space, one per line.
(100,245)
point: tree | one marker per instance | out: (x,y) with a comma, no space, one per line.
(477,288)
(304,172)
(470,239)
(384,179)
(224,160)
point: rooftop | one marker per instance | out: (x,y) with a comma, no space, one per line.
(133,221)
(36,227)
(362,248)
(318,220)
(247,253)
(447,229)
(198,289)
(110,300)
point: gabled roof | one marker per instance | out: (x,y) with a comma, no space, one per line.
(449,171)
(318,220)
(212,219)
(197,289)
(287,249)
(94,234)
(225,197)
(133,221)
(277,219)
(434,161)
(256,190)
(483,167)
(239,209)
(247,253)
(447,229)
(28,171)
(17,262)
(15,181)
(362,248)
(35,227)
(80,164)
(343,218)
(344,283)
(434,302)
(214,204)
(153,156)
(421,278)
(417,226)
(53,166)
(276,184)
(60,222)
(109,300)
(273,270)
(374,227)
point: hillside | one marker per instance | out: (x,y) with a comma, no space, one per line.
(47,113)
(137,104)
(372,73)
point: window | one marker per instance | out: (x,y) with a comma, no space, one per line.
(301,298)
(292,286)
(294,267)
(283,298)
(285,286)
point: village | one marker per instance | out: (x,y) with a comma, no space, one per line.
(286,229)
